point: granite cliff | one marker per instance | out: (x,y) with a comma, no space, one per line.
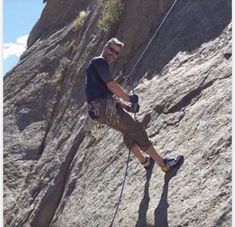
(57,175)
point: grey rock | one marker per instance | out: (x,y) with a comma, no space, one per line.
(56,174)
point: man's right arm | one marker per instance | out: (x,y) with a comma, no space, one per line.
(118,90)
(103,70)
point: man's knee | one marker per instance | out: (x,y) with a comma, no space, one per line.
(144,143)
(129,142)
(146,146)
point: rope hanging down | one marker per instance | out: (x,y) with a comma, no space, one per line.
(145,49)
(128,77)
(123,183)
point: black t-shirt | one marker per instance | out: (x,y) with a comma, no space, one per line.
(98,75)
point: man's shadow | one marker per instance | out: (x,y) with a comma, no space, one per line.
(144,204)
(160,213)
(161,210)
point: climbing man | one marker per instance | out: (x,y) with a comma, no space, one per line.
(102,93)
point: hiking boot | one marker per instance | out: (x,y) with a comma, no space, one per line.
(147,163)
(169,163)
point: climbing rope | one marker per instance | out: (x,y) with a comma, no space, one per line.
(132,89)
(154,35)
(123,183)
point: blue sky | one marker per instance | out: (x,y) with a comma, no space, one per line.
(19,17)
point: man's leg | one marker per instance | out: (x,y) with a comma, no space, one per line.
(134,130)
(151,152)
(136,134)
(138,154)
(155,156)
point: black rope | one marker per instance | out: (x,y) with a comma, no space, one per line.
(123,184)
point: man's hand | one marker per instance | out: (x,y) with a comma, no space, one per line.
(120,92)
(134,108)
(134,99)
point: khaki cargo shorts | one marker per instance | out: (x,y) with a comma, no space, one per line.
(132,130)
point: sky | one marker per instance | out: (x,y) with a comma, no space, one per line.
(19,17)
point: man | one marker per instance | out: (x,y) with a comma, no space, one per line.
(106,109)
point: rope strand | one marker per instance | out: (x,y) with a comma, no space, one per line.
(123,184)
(159,27)
(128,77)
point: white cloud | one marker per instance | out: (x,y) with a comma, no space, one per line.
(15,49)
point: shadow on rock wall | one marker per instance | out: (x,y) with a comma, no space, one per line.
(161,211)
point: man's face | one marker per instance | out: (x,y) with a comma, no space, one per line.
(111,52)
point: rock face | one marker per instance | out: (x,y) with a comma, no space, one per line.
(57,175)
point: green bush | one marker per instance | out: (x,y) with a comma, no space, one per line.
(78,22)
(110,14)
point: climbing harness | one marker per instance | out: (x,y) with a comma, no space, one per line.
(94,108)
(111,111)
(128,77)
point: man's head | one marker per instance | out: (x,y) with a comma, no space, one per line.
(111,50)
